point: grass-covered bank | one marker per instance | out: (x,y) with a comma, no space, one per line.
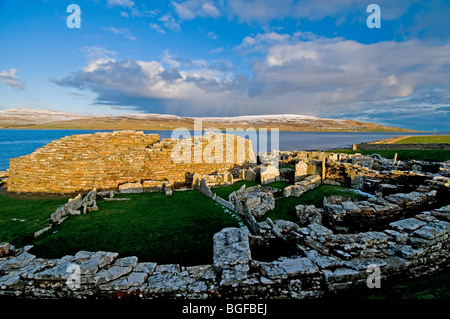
(434,286)
(285,206)
(426,139)
(424,155)
(151,226)
(20,218)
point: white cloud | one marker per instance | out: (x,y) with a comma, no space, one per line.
(170,22)
(121,3)
(314,77)
(121,31)
(95,52)
(157,28)
(215,51)
(191,9)
(10,79)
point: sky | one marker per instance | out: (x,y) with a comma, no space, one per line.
(230,57)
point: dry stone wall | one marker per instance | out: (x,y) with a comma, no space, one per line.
(324,263)
(79,163)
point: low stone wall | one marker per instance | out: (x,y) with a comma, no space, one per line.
(324,263)
(383,147)
(278,259)
(79,163)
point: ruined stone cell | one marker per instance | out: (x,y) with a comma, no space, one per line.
(79,163)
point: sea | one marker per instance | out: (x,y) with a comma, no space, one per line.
(18,142)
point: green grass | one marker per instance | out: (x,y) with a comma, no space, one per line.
(285,206)
(429,287)
(425,155)
(225,191)
(151,226)
(21,218)
(429,139)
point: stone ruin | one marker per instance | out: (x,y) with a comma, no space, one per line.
(403,228)
(74,206)
(125,161)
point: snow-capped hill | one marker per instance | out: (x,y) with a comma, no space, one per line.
(261,118)
(21,116)
(32,118)
(144,116)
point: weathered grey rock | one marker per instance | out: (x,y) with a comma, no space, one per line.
(296,267)
(408,224)
(308,214)
(82,255)
(399,237)
(202,272)
(74,203)
(344,274)
(57,273)
(58,215)
(350,207)
(112,273)
(235,275)
(97,261)
(408,252)
(375,237)
(168,280)
(364,263)
(126,262)
(324,261)
(9,280)
(136,279)
(272,270)
(19,261)
(231,247)
(442,213)
(33,267)
(433,230)
(204,189)
(319,230)
(286,226)
(147,267)
(117,284)
(43,230)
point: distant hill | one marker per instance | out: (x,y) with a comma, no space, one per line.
(44,119)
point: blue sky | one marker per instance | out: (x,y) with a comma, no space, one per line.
(230,57)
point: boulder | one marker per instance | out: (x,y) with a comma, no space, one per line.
(131,188)
(308,214)
(269,174)
(58,215)
(301,171)
(4,249)
(74,203)
(408,224)
(231,247)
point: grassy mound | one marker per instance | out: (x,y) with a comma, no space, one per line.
(151,226)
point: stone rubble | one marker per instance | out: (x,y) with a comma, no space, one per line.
(74,206)
(404,230)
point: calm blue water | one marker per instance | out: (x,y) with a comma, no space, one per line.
(14,143)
